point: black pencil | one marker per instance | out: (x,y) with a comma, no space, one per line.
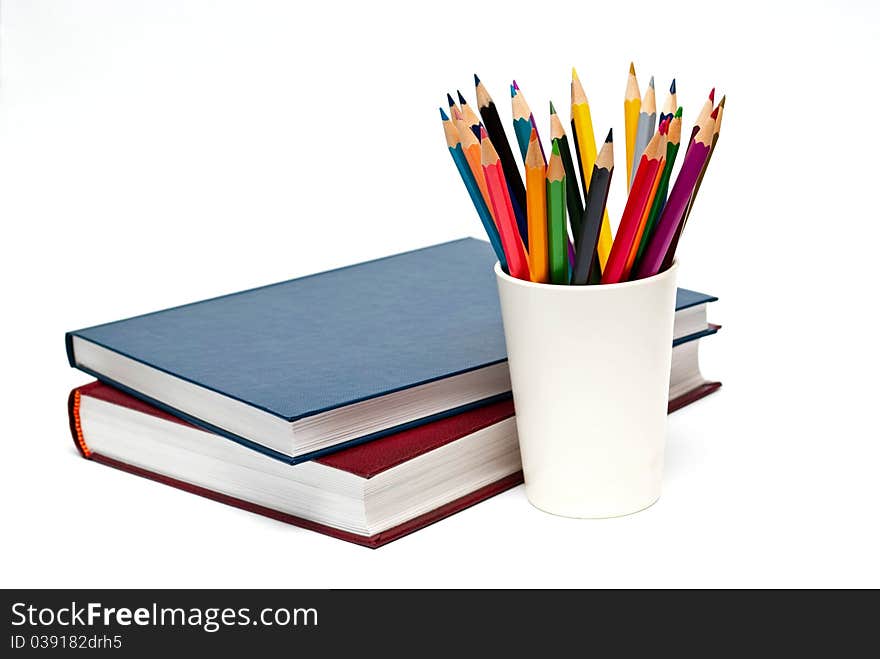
(572,192)
(495,130)
(586,263)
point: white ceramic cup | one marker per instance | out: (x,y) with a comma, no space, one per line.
(589,366)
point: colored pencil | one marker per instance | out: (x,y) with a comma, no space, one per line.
(522,124)
(470,145)
(499,195)
(637,201)
(632,104)
(585,144)
(673,139)
(495,130)
(647,124)
(643,220)
(574,202)
(586,264)
(669,105)
(453,108)
(453,141)
(473,121)
(673,212)
(716,116)
(705,111)
(536,199)
(557,235)
(540,143)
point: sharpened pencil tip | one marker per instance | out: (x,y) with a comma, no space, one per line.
(712,95)
(552,109)
(476,79)
(714,114)
(555,151)
(610,137)
(651,82)
(460,98)
(672,87)
(443,115)
(574,74)
(632,69)
(721,102)
(515,86)
(679,112)
(450,100)
(483,133)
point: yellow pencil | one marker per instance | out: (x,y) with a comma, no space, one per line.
(585,141)
(536,201)
(632,105)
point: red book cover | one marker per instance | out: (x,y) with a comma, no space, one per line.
(365,460)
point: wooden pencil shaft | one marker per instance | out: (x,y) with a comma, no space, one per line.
(589,156)
(629,222)
(557,234)
(673,212)
(536,197)
(644,133)
(500,197)
(588,238)
(479,203)
(628,268)
(572,193)
(495,130)
(716,130)
(632,104)
(659,198)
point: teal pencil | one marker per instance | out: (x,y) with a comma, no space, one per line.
(453,141)
(522,124)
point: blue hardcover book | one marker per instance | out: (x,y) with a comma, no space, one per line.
(308,366)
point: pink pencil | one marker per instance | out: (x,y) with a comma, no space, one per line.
(673,212)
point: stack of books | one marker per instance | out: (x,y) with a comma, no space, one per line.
(364,403)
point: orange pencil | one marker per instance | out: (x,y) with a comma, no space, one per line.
(503,210)
(643,182)
(661,137)
(536,203)
(470,145)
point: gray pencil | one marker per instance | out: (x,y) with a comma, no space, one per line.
(646,127)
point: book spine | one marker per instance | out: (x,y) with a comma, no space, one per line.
(68,346)
(73,403)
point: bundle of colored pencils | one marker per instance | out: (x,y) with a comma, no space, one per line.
(549,223)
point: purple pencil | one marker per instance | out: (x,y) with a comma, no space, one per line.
(673,211)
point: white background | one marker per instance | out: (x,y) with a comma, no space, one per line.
(156,153)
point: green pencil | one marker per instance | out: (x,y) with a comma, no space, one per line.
(557,235)
(673,141)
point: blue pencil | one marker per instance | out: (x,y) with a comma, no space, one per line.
(454,143)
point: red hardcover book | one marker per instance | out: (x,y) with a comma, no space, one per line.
(370,494)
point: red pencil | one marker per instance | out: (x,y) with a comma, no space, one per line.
(662,135)
(517,264)
(639,195)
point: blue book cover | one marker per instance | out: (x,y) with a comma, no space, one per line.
(307,366)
